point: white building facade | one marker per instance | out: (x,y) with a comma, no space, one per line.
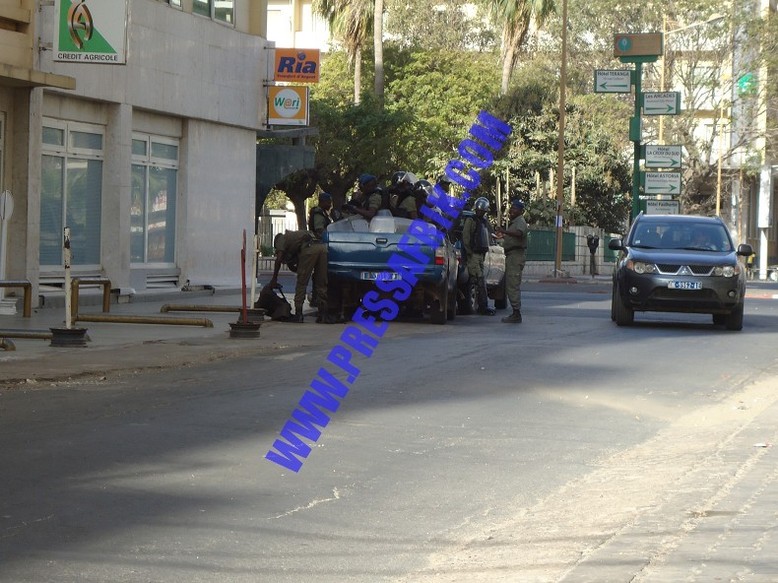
(151,164)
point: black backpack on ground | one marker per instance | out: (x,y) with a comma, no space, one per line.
(276,306)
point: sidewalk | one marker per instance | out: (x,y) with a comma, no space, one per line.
(128,347)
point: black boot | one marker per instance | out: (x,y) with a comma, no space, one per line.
(298,315)
(514,318)
(482,298)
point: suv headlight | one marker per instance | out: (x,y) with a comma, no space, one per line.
(640,267)
(726,270)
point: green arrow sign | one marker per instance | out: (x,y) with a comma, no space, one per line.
(667,103)
(663,156)
(612,81)
(662,182)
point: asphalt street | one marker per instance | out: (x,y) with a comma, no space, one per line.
(563,449)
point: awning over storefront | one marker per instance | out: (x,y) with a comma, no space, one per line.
(11,76)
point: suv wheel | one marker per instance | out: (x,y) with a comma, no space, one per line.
(613,303)
(734,319)
(623,314)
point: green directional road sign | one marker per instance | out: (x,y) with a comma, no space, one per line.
(662,182)
(661,103)
(663,156)
(660,207)
(612,81)
(667,103)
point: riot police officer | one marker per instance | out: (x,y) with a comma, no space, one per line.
(475,239)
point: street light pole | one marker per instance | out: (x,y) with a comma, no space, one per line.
(560,175)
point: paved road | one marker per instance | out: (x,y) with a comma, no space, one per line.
(563,449)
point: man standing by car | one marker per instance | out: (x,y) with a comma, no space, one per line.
(322,215)
(515,247)
(302,252)
(475,239)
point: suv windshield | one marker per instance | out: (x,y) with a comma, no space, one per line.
(690,236)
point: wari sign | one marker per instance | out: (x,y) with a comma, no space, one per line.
(91,31)
(296,65)
(287,106)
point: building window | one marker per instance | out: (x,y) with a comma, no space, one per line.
(71,192)
(224,11)
(220,10)
(153,205)
(202,7)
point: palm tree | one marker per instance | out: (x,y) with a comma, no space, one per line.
(515,17)
(349,21)
(378,48)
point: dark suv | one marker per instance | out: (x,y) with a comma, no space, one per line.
(679,263)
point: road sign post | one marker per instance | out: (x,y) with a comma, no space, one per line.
(638,49)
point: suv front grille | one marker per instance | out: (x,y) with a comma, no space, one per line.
(673,269)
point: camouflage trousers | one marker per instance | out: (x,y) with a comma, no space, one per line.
(514,267)
(313,262)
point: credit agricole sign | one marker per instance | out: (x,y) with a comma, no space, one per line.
(91,31)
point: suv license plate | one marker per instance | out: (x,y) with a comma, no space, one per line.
(684,285)
(384,275)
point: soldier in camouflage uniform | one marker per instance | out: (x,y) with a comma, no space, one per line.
(323,215)
(312,261)
(515,246)
(371,198)
(475,239)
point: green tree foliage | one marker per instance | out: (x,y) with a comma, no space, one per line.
(355,139)
(603,176)
(432,25)
(351,24)
(439,93)
(709,45)
(515,17)
(432,98)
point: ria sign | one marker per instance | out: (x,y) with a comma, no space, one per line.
(296,65)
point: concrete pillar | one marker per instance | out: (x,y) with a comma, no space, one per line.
(117,193)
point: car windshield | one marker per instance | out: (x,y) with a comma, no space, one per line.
(691,236)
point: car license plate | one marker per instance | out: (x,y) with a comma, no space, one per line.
(384,275)
(684,285)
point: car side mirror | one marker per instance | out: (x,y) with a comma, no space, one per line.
(616,245)
(745,250)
